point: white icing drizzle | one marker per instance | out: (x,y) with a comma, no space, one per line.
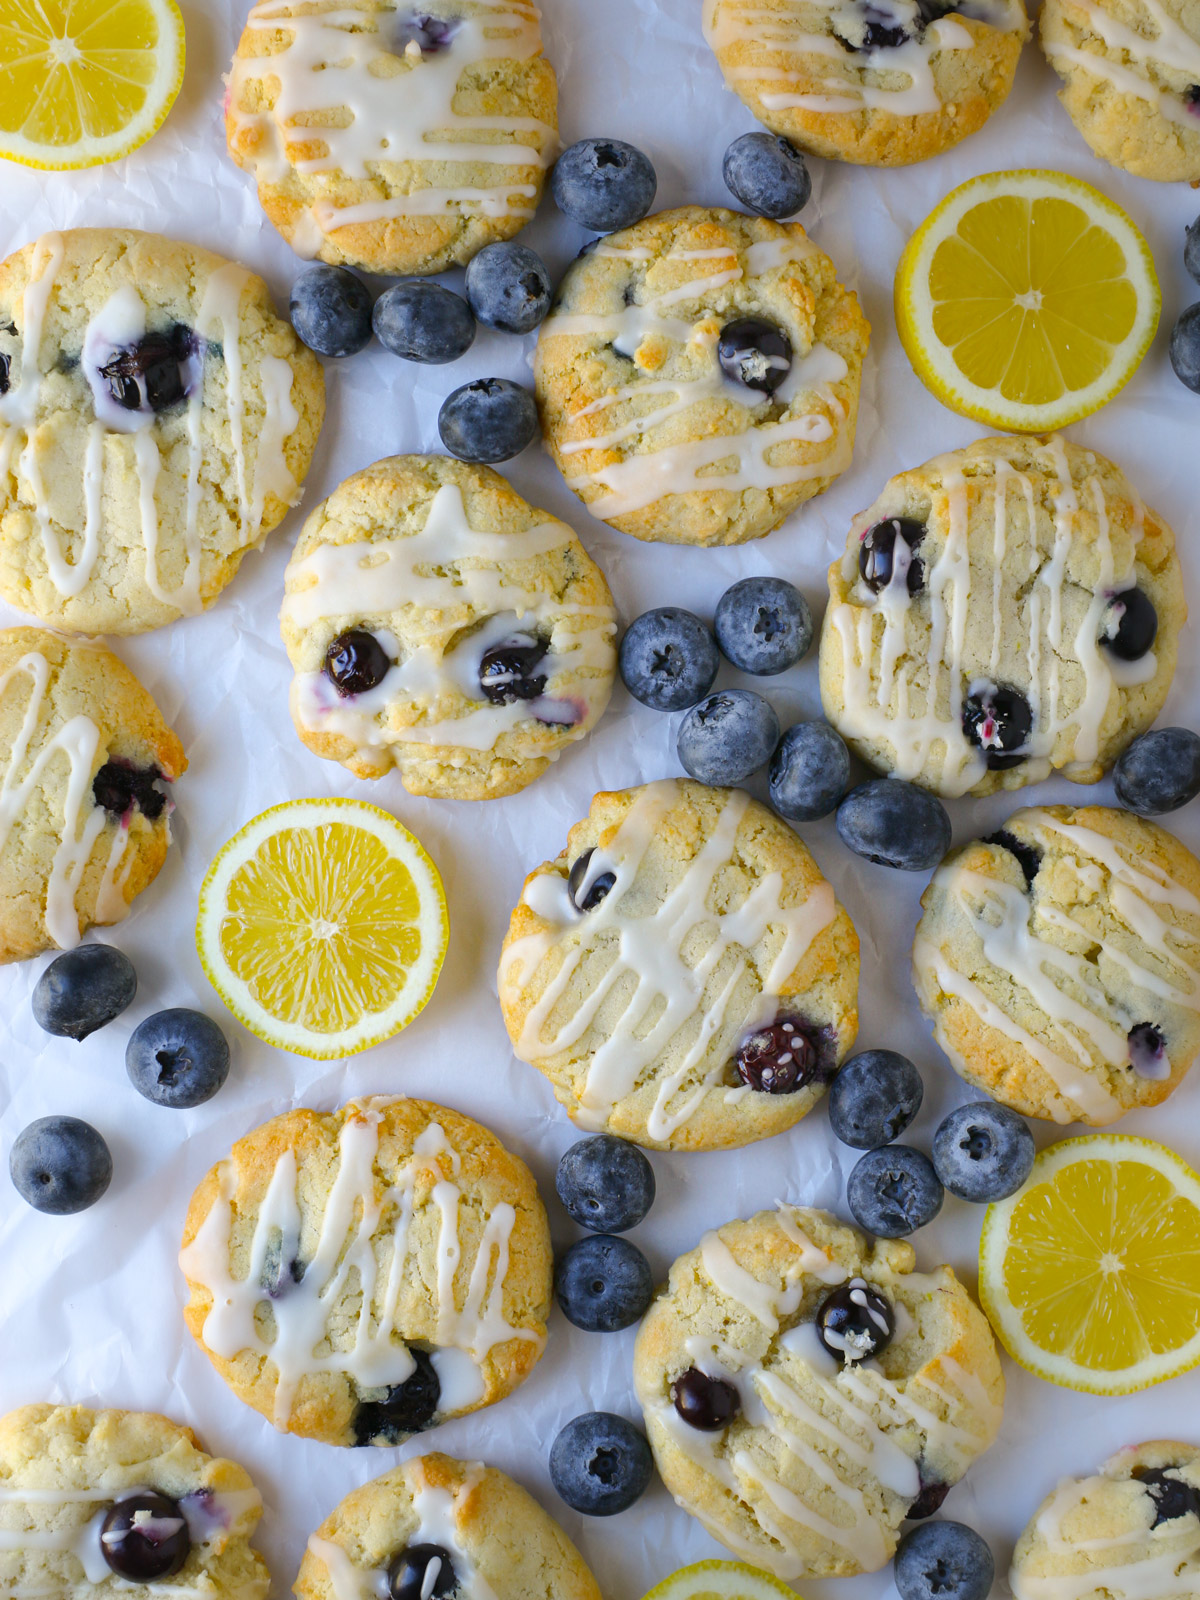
(670,997)
(1156,66)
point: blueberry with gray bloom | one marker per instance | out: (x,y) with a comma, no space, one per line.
(1185,347)
(489,420)
(668,659)
(874,1098)
(943,1561)
(331,310)
(605,1183)
(895,824)
(727,737)
(1159,772)
(604,184)
(424,322)
(810,772)
(60,1165)
(767,175)
(983,1152)
(1191,249)
(763,625)
(177,1058)
(894,1191)
(600,1464)
(603,1283)
(83,989)
(508,287)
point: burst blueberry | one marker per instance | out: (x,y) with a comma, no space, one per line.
(604,184)
(508,287)
(121,787)
(943,1561)
(144,1538)
(999,721)
(603,1283)
(886,551)
(409,1576)
(1028,856)
(1148,1051)
(149,376)
(588,887)
(508,671)
(894,824)
(1159,772)
(605,1183)
(490,420)
(755,353)
(767,175)
(865,27)
(406,1408)
(727,737)
(60,1165)
(856,1322)
(83,989)
(431,35)
(668,659)
(424,322)
(894,1191)
(783,1057)
(331,310)
(1173,1496)
(983,1152)
(874,1098)
(809,772)
(177,1058)
(763,625)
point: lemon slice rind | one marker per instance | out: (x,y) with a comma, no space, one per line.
(723,1580)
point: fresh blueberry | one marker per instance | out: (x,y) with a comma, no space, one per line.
(603,1283)
(605,1184)
(490,420)
(149,375)
(1130,625)
(604,184)
(1191,250)
(727,737)
(1173,1496)
(763,625)
(767,175)
(586,888)
(856,1322)
(83,989)
(409,1577)
(121,787)
(943,1561)
(705,1403)
(668,659)
(355,662)
(508,287)
(754,353)
(893,1191)
(998,720)
(331,310)
(406,1408)
(424,322)
(177,1058)
(885,551)
(874,1098)
(983,1152)
(1185,347)
(894,824)
(600,1464)
(508,671)
(1148,1051)
(810,772)
(1159,772)
(145,1537)
(786,1056)
(60,1165)
(1028,856)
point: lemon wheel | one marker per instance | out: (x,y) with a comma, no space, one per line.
(721,1580)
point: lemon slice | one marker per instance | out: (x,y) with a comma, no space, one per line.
(1026,300)
(322,926)
(85,81)
(720,1580)
(1090,1274)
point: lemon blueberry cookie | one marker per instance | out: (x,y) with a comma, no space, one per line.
(122,1502)
(86,761)
(881,82)
(698,378)
(1002,612)
(1059,962)
(389,136)
(490,1540)
(681,972)
(805,1390)
(360,1275)
(1130,1530)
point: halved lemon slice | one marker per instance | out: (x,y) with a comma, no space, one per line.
(1026,300)
(85,81)
(323,926)
(720,1580)
(1090,1274)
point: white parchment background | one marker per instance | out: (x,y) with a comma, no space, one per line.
(91,1304)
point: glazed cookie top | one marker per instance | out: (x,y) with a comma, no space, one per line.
(682,972)
(1130,1532)
(85,764)
(121,1502)
(699,376)
(156,420)
(491,1539)
(804,1389)
(1060,962)
(363,1274)
(440,624)
(393,137)
(1001,612)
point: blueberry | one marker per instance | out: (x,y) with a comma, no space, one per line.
(489,420)
(605,1184)
(603,1283)
(998,720)
(767,175)
(894,824)
(430,34)
(810,772)
(894,1191)
(145,1537)
(1159,772)
(508,287)
(705,1403)
(1191,250)
(83,989)
(1130,625)
(60,1165)
(1173,1496)
(865,26)
(874,1098)
(668,659)
(604,184)
(886,550)
(331,310)
(121,787)
(409,1577)
(1028,856)
(727,737)
(424,322)
(148,376)
(588,889)
(600,1464)
(755,353)
(784,1057)
(943,1561)
(355,662)
(1185,347)
(406,1408)
(930,1500)
(1148,1051)
(763,625)
(177,1058)
(508,671)
(856,1322)
(983,1152)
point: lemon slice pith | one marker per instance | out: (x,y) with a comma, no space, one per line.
(322,925)
(1026,300)
(85,81)
(1090,1274)
(720,1580)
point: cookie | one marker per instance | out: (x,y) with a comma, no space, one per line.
(389,138)
(360,1275)
(801,1456)
(1131,80)
(681,973)
(439,624)
(1001,613)
(86,762)
(156,421)
(698,378)
(122,1502)
(1131,1530)
(880,82)
(494,1538)
(1059,962)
